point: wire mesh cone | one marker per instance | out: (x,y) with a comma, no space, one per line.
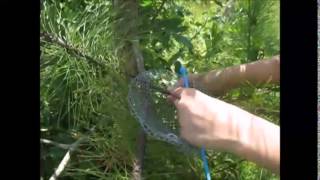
(155,114)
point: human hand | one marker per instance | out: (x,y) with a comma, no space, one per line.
(208,122)
(204,121)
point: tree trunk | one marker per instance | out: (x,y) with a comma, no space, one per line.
(132,58)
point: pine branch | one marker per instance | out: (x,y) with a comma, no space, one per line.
(63,146)
(66,157)
(62,43)
(61,166)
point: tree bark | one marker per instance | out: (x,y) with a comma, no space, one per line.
(127,10)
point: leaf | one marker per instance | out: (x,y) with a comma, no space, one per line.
(184,40)
(146,3)
(171,25)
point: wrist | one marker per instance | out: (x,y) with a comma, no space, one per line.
(227,127)
(239,125)
(213,82)
(220,81)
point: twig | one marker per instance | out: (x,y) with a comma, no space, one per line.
(66,157)
(61,166)
(63,146)
(56,40)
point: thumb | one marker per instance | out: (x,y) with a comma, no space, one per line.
(176,93)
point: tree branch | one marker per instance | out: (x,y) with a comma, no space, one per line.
(63,146)
(60,42)
(66,157)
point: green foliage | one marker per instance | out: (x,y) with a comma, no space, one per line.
(83,82)
(75,93)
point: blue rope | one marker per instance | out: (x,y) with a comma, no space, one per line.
(184,74)
(205,163)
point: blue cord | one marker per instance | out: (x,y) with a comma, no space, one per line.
(205,163)
(183,73)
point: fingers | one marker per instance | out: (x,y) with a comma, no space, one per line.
(172,99)
(179,83)
(176,95)
(177,91)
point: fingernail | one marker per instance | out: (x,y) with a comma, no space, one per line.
(170,88)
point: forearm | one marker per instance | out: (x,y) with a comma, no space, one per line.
(258,139)
(215,124)
(262,71)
